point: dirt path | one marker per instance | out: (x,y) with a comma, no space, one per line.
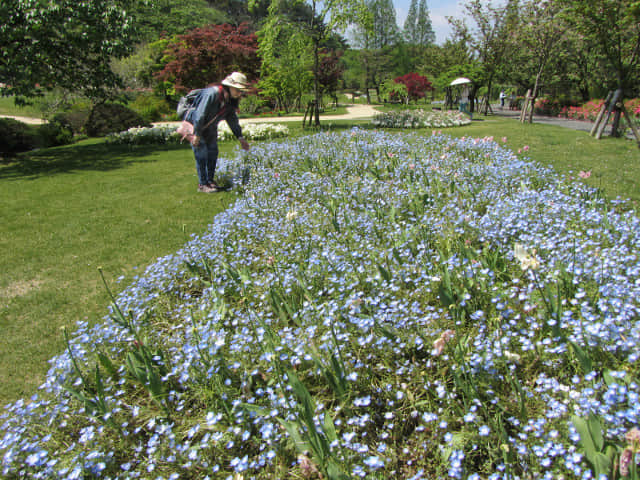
(29,120)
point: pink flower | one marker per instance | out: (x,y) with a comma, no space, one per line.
(444,338)
(633,436)
(504,139)
(584,174)
(525,148)
(625,460)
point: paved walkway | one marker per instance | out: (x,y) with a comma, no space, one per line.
(584,126)
(354,112)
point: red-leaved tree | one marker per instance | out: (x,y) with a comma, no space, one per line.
(330,71)
(417,85)
(208,54)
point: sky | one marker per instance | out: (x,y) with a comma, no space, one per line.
(439,10)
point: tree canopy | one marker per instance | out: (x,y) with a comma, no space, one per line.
(67,44)
(206,55)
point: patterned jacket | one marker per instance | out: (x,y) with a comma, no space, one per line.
(212,107)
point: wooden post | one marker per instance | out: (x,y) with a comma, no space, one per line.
(632,125)
(612,104)
(523,112)
(603,108)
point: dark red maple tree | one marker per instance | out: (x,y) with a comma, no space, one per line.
(208,54)
(417,85)
(330,71)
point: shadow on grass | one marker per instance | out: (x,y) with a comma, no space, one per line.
(86,156)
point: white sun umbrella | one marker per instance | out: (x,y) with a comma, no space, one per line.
(460,81)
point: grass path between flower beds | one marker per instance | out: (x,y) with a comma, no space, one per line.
(69,210)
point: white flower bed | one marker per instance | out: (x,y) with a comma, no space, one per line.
(162,134)
(420,119)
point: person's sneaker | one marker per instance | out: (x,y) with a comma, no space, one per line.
(206,189)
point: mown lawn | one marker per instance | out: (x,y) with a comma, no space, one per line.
(68,211)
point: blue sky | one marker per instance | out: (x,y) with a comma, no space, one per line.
(438,11)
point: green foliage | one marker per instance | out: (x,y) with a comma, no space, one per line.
(417,28)
(20,137)
(75,117)
(137,70)
(54,133)
(16,136)
(391,91)
(108,118)
(171,17)
(151,107)
(64,44)
(315,22)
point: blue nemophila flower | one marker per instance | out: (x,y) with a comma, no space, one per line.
(374,462)
(343,259)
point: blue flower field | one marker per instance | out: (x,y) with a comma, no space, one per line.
(374,305)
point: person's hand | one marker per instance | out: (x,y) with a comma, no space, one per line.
(244,144)
(195,140)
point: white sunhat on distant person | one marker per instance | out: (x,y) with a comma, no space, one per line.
(237,80)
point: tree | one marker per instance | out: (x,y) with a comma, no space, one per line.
(384,27)
(285,77)
(410,23)
(375,35)
(417,85)
(208,54)
(424,29)
(614,29)
(63,44)
(174,17)
(330,72)
(488,40)
(322,19)
(418,29)
(538,40)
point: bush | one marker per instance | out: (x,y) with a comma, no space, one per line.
(151,107)
(75,118)
(16,137)
(106,118)
(253,104)
(54,133)
(547,106)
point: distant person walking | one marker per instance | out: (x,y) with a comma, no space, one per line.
(464,101)
(503,97)
(214,103)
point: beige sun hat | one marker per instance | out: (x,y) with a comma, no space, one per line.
(237,80)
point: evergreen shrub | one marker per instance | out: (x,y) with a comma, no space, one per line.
(16,137)
(106,118)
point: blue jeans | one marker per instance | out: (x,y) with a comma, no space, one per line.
(206,154)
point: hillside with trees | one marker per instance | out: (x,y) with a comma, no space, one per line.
(302,53)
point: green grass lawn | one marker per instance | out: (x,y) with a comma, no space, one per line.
(69,210)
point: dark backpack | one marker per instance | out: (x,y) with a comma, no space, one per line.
(188,103)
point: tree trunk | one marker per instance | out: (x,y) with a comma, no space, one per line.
(534,94)
(316,86)
(615,126)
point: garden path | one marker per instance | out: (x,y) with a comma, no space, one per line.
(354,112)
